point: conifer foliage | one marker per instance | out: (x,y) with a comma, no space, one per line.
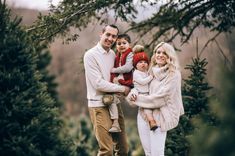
(28,114)
(196,104)
(218,140)
(195,88)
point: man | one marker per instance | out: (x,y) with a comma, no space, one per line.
(98,62)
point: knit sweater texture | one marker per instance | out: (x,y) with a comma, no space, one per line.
(164,96)
(141,81)
(98,64)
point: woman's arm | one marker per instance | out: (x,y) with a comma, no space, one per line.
(159,98)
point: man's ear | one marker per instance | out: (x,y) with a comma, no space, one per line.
(101,33)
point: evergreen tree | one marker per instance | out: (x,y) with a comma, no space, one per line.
(176,142)
(44,59)
(218,140)
(195,104)
(29,118)
(195,88)
(80,129)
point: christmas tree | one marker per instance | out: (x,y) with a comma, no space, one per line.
(29,115)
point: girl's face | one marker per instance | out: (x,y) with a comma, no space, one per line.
(122,45)
(161,57)
(142,66)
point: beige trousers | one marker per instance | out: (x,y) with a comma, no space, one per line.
(109,143)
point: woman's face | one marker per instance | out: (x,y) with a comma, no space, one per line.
(161,57)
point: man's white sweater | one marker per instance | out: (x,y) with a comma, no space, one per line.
(164,96)
(98,64)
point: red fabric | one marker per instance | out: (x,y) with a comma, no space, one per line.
(128,83)
(140,56)
(127,76)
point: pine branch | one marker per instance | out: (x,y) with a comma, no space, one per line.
(223,54)
(210,40)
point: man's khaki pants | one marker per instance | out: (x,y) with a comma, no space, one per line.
(109,143)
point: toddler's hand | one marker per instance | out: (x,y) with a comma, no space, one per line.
(115,80)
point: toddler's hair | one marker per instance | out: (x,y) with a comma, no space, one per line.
(125,36)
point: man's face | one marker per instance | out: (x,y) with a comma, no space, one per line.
(108,37)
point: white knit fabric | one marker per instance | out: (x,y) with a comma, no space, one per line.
(141,81)
(165,95)
(98,64)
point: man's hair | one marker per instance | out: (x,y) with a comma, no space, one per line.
(111,25)
(125,36)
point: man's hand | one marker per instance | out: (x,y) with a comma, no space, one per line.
(127,90)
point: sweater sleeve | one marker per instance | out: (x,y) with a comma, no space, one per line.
(140,80)
(95,78)
(125,68)
(159,99)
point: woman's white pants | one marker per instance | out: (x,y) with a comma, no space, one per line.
(153,142)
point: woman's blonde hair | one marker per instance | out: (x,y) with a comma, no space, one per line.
(172,60)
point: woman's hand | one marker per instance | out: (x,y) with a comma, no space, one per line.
(133,97)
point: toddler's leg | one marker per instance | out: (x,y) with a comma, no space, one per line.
(152,122)
(114,116)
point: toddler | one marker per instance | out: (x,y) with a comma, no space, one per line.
(120,74)
(141,79)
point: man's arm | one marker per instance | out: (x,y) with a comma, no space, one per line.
(95,78)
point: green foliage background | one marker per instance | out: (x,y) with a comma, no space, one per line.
(29,113)
(30,117)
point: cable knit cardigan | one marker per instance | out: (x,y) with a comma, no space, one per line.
(164,95)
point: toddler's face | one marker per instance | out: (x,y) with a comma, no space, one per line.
(142,66)
(122,45)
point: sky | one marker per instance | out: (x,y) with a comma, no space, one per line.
(44,5)
(32,4)
(37,4)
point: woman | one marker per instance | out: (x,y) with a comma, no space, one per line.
(164,97)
